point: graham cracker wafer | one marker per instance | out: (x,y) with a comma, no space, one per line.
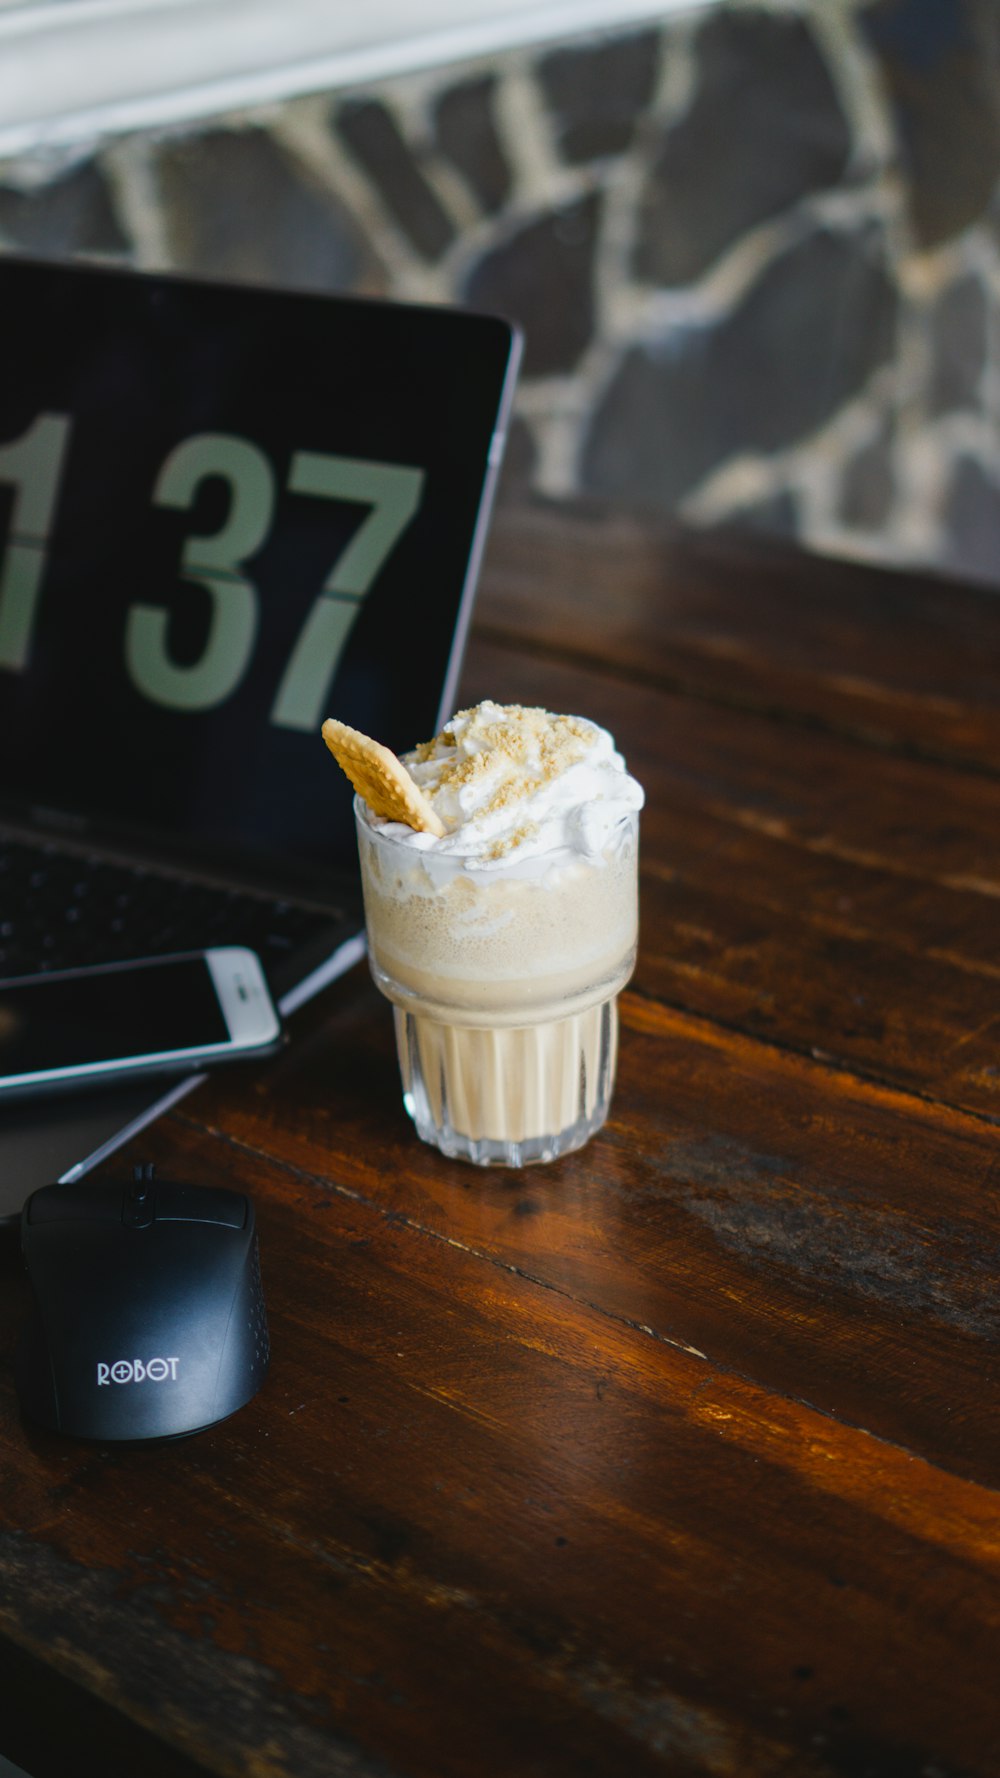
(380,778)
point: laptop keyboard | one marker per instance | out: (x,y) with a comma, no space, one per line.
(65,911)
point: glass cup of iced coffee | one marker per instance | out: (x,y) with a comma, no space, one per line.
(504,937)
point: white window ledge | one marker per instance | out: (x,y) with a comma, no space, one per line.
(71,70)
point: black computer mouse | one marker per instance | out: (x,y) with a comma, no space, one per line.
(148,1316)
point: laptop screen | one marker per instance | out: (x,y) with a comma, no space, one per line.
(226,513)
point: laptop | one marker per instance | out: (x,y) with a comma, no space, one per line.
(225,513)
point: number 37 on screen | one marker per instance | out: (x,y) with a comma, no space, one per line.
(33,464)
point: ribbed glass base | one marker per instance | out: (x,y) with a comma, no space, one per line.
(508,1097)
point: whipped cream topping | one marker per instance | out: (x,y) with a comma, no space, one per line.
(511,784)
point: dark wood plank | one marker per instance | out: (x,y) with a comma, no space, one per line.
(612,1558)
(792,1224)
(832,899)
(903,660)
(50,1725)
(913,817)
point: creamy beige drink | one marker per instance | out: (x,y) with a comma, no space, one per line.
(504,941)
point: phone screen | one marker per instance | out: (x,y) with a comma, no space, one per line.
(62,1021)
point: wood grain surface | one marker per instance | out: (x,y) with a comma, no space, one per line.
(682,1455)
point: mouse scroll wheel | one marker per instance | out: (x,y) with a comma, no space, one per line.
(142,1182)
(138,1211)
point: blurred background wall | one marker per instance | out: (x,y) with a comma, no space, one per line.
(755,250)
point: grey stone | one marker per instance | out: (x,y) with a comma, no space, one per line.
(763,131)
(597,92)
(74,214)
(806,339)
(542,278)
(369,130)
(940,68)
(960,345)
(972,523)
(777,516)
(237,207)
(868,485)
(465,131)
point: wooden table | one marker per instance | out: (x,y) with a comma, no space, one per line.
(681,1455)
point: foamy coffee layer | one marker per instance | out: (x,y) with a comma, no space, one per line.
(514,785)
(499,946)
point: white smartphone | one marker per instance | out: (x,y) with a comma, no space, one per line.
(77,1027)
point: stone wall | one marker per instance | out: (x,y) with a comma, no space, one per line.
(755,251)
